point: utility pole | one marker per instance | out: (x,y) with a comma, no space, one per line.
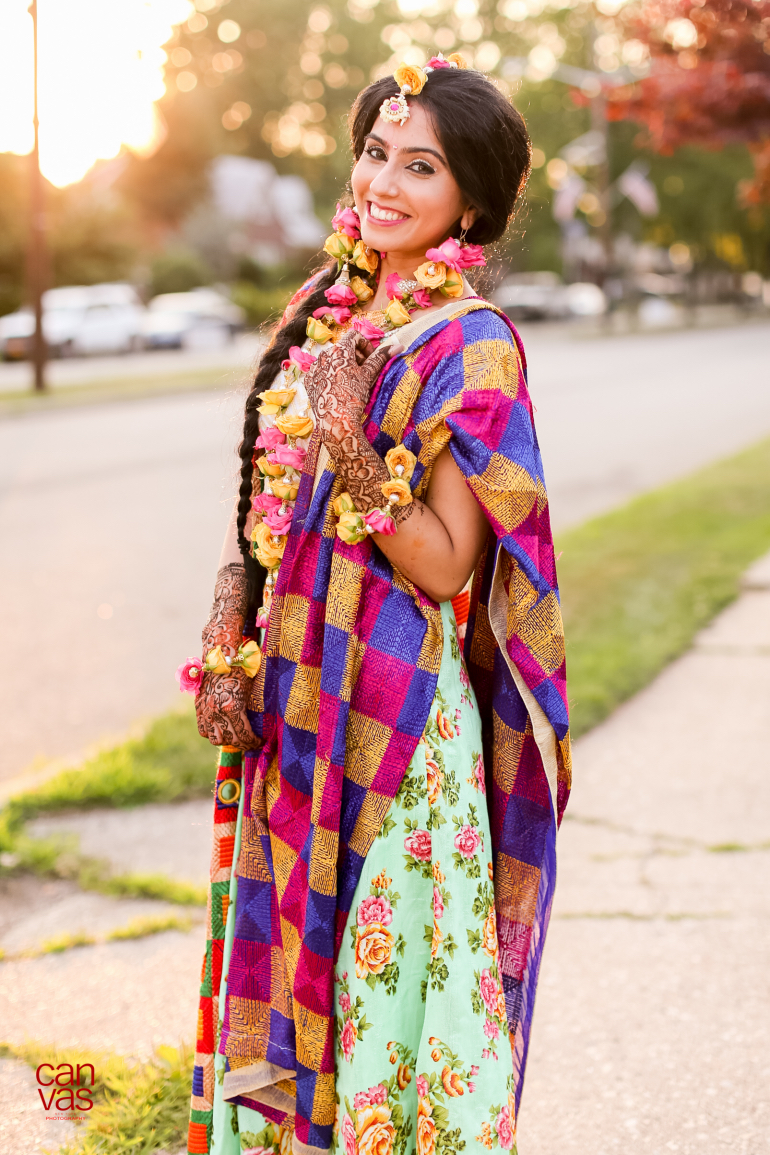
(37,246)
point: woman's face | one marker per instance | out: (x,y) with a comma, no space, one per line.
(405,195)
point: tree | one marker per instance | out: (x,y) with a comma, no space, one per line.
(709,83)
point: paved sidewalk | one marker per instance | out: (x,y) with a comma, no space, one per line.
(652,1027)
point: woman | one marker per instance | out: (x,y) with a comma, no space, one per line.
(372,960)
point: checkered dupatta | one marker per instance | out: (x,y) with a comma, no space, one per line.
(351,660)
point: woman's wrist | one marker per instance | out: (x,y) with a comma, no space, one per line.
(228,611)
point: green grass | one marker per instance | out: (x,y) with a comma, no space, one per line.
(170,761)
(139,1108)
(638,583)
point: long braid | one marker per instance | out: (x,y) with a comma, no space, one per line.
(292,333)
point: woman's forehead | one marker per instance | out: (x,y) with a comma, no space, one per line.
(416,132)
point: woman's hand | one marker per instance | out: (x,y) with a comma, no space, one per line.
(339,383)
(220,705)
(220,708)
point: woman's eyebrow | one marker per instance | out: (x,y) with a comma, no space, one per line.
(384,143)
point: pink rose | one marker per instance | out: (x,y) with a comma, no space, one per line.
(344,1001)
(375,908)
(346,220)
(378,1094)
(438,903)
(361,1100)
(491,1029)
(338,312)
(471,1087)
(348,1131)
(189,676)
(368,330)
(422,297)
(450,253)
(485,1053)
(271,437)
(391,286)
(380,522)
(474,1071)
(422,1086)
(472,255)
(278,522)
(478,770)
(467,840)
(300,358)
(418,844)
(504,1129)
(348,1038)
(434,62)
(260,620)
(340,295)
(265,502)
(288,456)
(488,988)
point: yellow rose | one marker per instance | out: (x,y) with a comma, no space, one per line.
(343,504)
(295,426)
(318,331)
(270,468)
(431,275)
(250,657)
(399,455)
(351,527)
(426,1129)
(396,313)
(438,938)
(273,400)
(284,488)
(374,944)
(489,934)
(400,488)
(366,258)
(376,1133)
(412,76)
(434,783)
(215,662)
(338,245)
(453,285)
(457,59)
(361,289)
(270,548)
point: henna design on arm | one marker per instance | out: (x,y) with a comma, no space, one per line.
(220,706)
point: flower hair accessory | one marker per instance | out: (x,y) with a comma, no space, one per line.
(190,673)
(411,80)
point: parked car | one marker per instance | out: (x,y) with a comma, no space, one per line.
(543,297)
(77,320)
(199,319)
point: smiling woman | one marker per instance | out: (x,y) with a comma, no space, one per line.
(101,70)
(389,468)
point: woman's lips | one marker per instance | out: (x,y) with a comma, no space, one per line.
(379,220)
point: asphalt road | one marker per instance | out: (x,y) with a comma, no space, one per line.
(111,515)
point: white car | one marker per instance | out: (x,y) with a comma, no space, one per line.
(77,320)
(200,319)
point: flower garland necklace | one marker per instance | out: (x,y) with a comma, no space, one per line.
(278,468)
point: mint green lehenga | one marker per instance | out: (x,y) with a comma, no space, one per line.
(422,1052)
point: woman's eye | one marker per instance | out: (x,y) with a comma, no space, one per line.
(375,152)
(422,168)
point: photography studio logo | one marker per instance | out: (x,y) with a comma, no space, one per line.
(65,1091)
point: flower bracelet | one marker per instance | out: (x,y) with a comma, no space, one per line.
(190,673)
(352,526)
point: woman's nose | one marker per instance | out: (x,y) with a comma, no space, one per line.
(385,183)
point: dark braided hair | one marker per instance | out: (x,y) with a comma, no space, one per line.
(489,154)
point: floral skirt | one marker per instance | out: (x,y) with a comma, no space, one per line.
(423,1059)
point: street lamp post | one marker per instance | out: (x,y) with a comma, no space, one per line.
(37,247)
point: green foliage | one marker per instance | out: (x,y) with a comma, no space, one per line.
(142,927)
(638,583)
(178,270)
(66,941)
(261,304)
(169,761)
(139,1108)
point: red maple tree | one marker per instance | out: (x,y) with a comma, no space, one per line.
(709,81)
